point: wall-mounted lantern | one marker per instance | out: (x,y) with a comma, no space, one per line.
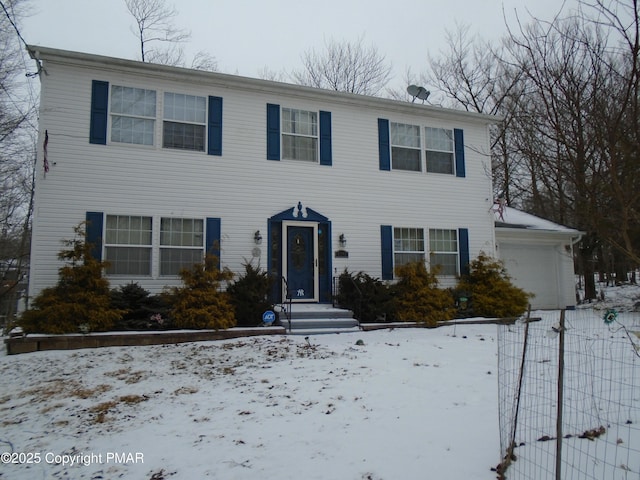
(343,240)
(257,238)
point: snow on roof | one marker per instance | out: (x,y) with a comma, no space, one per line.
(513,218)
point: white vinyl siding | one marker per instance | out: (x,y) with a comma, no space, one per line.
(241,188)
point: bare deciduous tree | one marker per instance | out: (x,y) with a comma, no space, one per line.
(155,26)
(568,90)
(471,75)
(17,156)
(345,67)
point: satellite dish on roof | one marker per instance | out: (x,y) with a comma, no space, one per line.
(418,92)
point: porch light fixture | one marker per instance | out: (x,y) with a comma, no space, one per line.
(343,240)
(257,238)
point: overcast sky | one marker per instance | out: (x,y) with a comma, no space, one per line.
(245,36)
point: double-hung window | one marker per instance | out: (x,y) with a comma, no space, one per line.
(133,115)
(443,250)
(128,245)
(405,147)
(185,119)
(439,150)
(408,245)
(299,135)
(181,244)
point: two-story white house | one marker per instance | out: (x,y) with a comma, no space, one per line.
(166,164)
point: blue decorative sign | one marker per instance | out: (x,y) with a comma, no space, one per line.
(610,316)
(268,317)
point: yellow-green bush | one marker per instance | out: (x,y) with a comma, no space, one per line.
(417,297)
(79,301)
(491,290)
(200,303)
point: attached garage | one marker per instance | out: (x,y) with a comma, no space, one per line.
(538,255)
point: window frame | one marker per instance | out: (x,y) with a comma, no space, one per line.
(438,242)
(314,137)
(394,136)
(125,113)
(440,151)
(173,247)
(408,252)
(115,246)
(199,119)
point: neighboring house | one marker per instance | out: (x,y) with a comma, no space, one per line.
(167,163)
(538,255)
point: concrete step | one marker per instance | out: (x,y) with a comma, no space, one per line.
(326,313)
(315,323)
(311,319)
(322,331)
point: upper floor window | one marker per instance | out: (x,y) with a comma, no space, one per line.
(443,250)
(439,150)
(133,113)
(299,135)
(405,147)
(181,244)
(128,245)
(408,245)
(401,147)
(184,125)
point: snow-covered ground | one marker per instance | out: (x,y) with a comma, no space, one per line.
(384,405)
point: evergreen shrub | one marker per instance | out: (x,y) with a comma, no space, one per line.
(143,311)
(200,302)
(367,297)
(417,297)
(492,294)
(249,295)
(80,301)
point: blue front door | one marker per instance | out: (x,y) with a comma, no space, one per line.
(300,263)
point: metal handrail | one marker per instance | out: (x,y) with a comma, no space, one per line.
(287,310)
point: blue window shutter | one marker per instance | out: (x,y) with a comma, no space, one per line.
(215,126)
(325,138)
(384,145)
(93,233)
(463,245)
(99,111)
(458,138)
(213,238)
(386,241)
(273,131)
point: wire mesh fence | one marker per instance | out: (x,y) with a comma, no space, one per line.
(569,396)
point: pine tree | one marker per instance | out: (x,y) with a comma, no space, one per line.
(80,300)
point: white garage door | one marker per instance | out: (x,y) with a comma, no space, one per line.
(533,268)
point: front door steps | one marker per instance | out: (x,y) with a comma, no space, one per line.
(315,318)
